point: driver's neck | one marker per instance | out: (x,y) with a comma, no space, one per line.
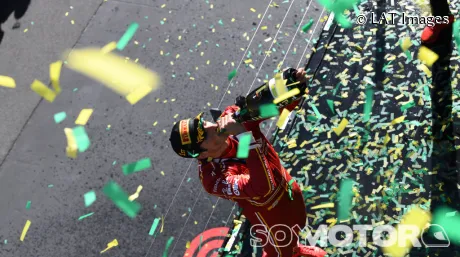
(219,152)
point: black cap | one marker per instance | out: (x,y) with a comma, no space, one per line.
(186,137)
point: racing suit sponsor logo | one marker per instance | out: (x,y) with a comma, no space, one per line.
(216,184)
(228,190)
(235,187)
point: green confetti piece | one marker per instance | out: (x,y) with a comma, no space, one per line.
(154,226)
(115,193)
(168,244)
(407,106)
(85,216)
(345,198)
(5,242)
(124,40)
(28,205)
(330,103)
(243,146)
(307,26)
(368,104)
(90,198)
(315,110)
(268,110)
(59,117)
(451,225)
(456,31)
(49,186)
(232,74)
(82,138)
(136,166)
(427,93)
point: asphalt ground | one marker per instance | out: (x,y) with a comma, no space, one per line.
(192,45)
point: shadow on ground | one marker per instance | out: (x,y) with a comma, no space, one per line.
(8,7)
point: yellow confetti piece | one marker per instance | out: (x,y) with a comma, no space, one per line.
(368,68)
(415,217)
(7,82)
(341,127)
(284,115)
(155,123)
(162,224)
(110,245)
(425,69)
(427,56)
(73,22)
(406,44)
(25,229)
(287,95)
(252,10)
(43,91)
(187,245)
(280,85)
(115,72)
(398,120)
(55,74)
(248,61)
(84,116)
(136,194)
(323,206)
(162,173)
(138,94)
(109,47)
(263,27)
(72,147)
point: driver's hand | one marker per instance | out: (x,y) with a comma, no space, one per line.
(228,125)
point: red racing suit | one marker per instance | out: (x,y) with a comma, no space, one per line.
(271,200)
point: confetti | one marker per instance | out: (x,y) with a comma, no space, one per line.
(110,245)
(456,32)
(84,116)
(287,95)
(243,146)
(7,82)
(81,138)
(43,91)
(268,110)
(231,75)
(283,117)
(427,56)
(337,8)
(72,147)
(90,198)
(55,74)
(138,94)
(25,229)
(28,205)
(416,217)
(154,226)
(168,244)
(406,44)
(115,193)
(322,206)
(444,217)
(136,194)
(341,127)
(85,216)
(109,47)
(345,199)
(59,117)
(136,166)
(368,104)
(118,74)
(124,40)
(307,26)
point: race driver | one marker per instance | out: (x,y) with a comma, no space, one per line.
(271,200)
